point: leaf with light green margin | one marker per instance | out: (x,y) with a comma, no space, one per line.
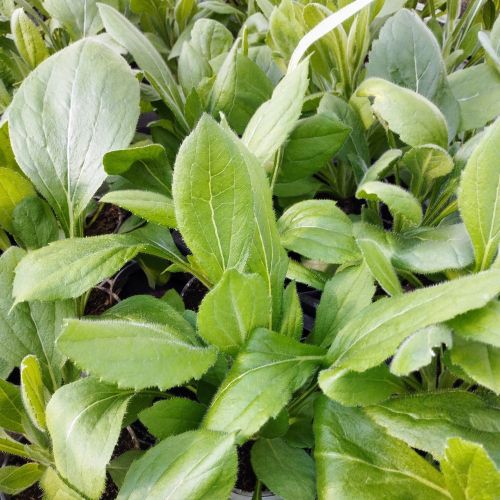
(288,472)
(402,204)
(318,229)
(480,361)
(376,254)
(477,90)
(144,166)
(272,123)
(30,328)
(261,381)
(80,17)
(12,410)
(480,325)
(14,188)
(478,197)
(56,488)
(418,349)
(360,389)
(240,87)
(7,158)
(13,479)
(381,167)
(344,296)
(135,354)
(415,119)
(13,447)
(84,421)
(55,271)
(237,305)
(427,420)
(426,164)
(60,131)
(428,250)
(147,58)
(34,224)
(199,465)
(469,472)
(312,143)
(351,452)
(172,416)
(292,320)
(408,54)
(33,391)
(148,205)
(310,277)
(379,329)
(28,40)
(213,199)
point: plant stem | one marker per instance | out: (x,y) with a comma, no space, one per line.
(257,492)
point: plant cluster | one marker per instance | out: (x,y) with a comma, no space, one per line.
(330,158)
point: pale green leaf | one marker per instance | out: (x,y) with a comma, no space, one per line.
(84,420)
(382,167)
(199,465)
(213,199)
(302,274)
(28,40)
(12,410)
(238,304)
(13,480)
(261,381)
(33,391)
(292,321)
(56,488)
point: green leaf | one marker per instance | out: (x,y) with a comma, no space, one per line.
(55,272)
(377,331)
(60,131)
(12,410)
(135,354)
(261,381)
(196,465)
(480,361)
(147,58)
(356,459)
(417,350)
(360,389)
(119,466)
(14,188)
(33,391)
(172,416)
(382,167)
(7,158)
(28,40)
(478,197)
(84,420)
(469,471)
(240,87)
(288,472)
(477,90)
(408,54)
(373,245)
(292,321)
(30,328)
(148,205)
(403,206)
(415,119)
(480,325)
(318,229)
(34,224)
(271,124)
(238,304)
(427,420)
(344,296)
(213,199)
(142,166)
(312,143)
(55,487)
(302,274)
(13,480)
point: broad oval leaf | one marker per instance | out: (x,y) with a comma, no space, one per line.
(415,119)
(318,229)
(84,420)
(478,197)
(213,199)
(60,131)
(375,334)
(197,465)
